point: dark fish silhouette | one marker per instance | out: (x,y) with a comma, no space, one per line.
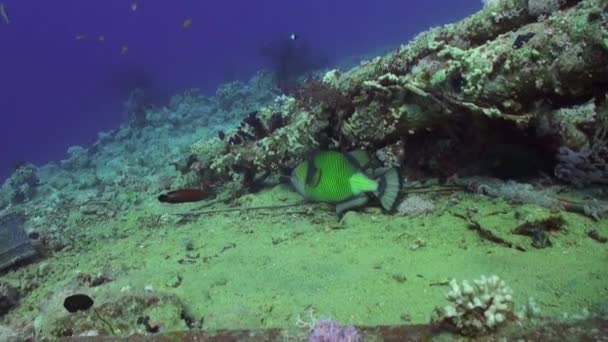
(183,195)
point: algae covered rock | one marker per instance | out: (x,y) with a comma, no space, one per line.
(112,313)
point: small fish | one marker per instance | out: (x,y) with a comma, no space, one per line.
(294,36)
(80,37)
(4,14)
(134,5)
(521,39)
(183,195)
(187,23)
(336,177)
(101,39)
(124,49)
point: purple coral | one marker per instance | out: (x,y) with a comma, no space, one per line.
(332,331)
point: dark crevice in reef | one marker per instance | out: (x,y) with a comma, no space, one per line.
(480,146)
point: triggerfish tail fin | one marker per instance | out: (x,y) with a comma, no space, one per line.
(389,186)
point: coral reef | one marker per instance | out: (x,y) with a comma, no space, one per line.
(138,160)
(504,64)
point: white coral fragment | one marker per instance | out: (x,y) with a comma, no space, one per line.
(478,308)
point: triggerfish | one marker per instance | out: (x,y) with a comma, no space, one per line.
(336,177)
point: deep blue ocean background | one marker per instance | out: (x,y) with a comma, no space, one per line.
(57,91)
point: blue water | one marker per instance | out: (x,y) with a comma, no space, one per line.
(57,91)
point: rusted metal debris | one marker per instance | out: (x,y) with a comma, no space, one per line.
(15,246)
(592,329)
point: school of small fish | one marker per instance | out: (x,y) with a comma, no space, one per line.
(101,39)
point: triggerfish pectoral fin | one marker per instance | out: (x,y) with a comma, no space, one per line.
(354,202)
(360,158)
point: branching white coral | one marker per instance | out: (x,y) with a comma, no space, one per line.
(477,308)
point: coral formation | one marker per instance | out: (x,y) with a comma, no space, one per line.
(21,186)
(478,308)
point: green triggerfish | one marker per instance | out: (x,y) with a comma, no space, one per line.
(337,177)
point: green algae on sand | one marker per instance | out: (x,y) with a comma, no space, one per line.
(268,269)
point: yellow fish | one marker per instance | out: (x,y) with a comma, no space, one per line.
(187,23)
(124,49)
(4,14)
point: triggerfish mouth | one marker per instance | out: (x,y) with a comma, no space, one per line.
(337,177)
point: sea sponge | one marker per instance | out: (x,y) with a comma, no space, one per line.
(478,308)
